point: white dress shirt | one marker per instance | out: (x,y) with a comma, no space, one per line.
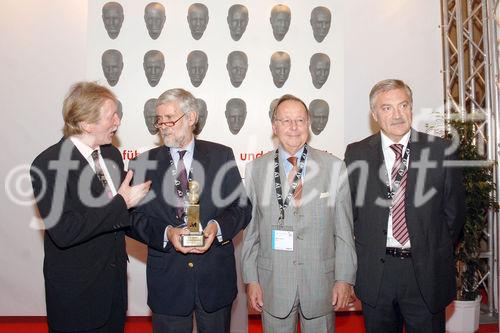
(188,161)
(86,151)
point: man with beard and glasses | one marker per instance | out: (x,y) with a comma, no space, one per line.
(183,280)
(83,197)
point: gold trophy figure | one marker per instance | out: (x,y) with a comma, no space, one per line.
(195,238)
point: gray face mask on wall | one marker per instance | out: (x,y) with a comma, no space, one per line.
(197,19)
(237,66)
(321,20)
(112,17)
(154,16)
(119,109)
(236,113)
(112,66)
(237,19)
(319,67)
(319,110)
(197,66)
(280,21)
(202,116)
(280,68)
(154,65)
(150,115)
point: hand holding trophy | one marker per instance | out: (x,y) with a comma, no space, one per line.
(195,237)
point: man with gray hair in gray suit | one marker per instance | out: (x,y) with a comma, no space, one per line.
(298,253)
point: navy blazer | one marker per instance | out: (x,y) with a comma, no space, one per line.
(85,259)
(174,278)
(434,223)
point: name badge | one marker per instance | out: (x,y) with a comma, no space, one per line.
(282,240)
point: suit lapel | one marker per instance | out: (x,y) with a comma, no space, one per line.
(377,173)
(201,172)
(112,165)
(311,183)
(416,147)
(166,181)
(378,179)
(201,166)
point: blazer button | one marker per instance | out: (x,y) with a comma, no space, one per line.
(113,265)
(190,264)
(382,260)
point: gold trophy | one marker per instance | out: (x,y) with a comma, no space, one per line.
(195,237)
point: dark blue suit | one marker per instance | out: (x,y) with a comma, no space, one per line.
(175,279)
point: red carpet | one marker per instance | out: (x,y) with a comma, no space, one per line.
(345,323)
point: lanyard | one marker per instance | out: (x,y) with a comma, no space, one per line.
(177,183)
(277,184)
(396,183)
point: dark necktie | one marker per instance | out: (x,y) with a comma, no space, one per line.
(100,174)
(291,175)
(183,181)
(399,228)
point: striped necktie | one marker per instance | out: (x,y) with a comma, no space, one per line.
(291,175)
(183,180)
(100,174)
(398,213)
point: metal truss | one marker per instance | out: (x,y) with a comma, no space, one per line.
(471,93)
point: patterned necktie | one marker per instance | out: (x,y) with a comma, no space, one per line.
(291,175)
(100,174)
(183,181)
(399,228)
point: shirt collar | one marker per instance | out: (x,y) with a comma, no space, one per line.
(85,150)
(387,142)
(189,149)
(285,155)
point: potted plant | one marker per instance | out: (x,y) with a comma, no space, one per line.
(463,314)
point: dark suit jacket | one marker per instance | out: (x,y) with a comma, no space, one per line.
(173,278)
(433,223)
(85,258)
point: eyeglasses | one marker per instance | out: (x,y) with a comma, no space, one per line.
(159,123)
(288,122)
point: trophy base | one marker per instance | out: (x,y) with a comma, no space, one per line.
(193,240)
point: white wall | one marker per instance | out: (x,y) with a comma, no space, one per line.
(44,50)
(391,39)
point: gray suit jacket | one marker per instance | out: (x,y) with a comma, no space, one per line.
(323,237)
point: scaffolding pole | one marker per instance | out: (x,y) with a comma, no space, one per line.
(471,83)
